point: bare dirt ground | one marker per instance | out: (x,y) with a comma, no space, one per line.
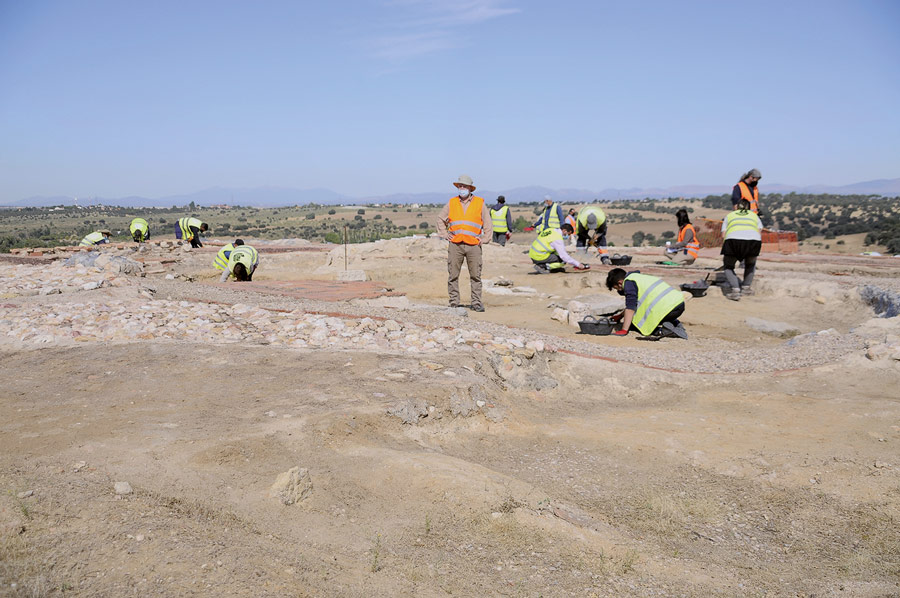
(736,463)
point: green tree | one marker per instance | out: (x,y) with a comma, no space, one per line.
(637,238)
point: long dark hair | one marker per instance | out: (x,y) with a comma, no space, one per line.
(682,217)
(743,205)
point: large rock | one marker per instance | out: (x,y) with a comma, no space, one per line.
(291,486)
(885,303)
(779,329)
(592,305)
(352,276)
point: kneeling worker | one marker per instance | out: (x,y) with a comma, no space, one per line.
(98,237)
(649,303)
(221,261)
(242,264)
(140,230)
(548,252)
(189,229)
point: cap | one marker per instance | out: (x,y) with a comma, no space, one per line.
(755,173)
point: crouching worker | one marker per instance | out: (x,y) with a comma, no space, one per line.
(189,229)
(651,306)
(98,237)
(548,252)
(242,263)
(221,261)
(140,230)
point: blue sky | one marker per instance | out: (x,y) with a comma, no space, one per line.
(369,97)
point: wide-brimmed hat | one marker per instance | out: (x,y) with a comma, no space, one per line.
(105,232)
(464,179)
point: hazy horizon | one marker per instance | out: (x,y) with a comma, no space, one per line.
(371,98)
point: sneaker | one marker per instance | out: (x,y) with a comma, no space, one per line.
(747,291)
(733,295)
(478,308)
(605,261)
(672,329)
(541,269)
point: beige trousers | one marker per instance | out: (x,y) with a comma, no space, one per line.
(456,253)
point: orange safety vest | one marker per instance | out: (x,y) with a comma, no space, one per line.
(466,226)
(753,198)
(571,220)
(694,246)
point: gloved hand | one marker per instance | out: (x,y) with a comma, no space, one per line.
(583,267)
(508,236)
(617,317)
(620,333)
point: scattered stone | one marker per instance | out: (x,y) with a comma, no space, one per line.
(170,277)
(28,493)
(123,488)
(503,282)
(90,286)
(291,486)
(271,414)
(779,329)
(78,466)
(409,411)
(820,300)
(560,315)
(877,464)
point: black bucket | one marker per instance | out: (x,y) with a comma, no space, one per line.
(697,289)
(620,260)
(601,326)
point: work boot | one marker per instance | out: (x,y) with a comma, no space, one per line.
(605,260)
(747,291)
(734,295)
(540,269)
(479,308)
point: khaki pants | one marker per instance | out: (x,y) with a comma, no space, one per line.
(456,253)
(681,257)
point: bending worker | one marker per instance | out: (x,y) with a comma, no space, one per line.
(592,231)
(649,303)
(221,261)
(140,230)
(743,242)
(502,221)
(571,218)
(548,252)
(242,263)
(189,229)
(98,237)
(552,216)
(684,251)
(746,189)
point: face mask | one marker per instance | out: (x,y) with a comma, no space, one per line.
(463,193)
(753,183)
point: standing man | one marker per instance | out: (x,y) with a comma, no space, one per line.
(552,216)
(189,229)
(746,189)
(743,242)
(592,231)
(501,221)
(466,223)
(140,230)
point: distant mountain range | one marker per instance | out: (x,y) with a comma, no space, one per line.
(281,196)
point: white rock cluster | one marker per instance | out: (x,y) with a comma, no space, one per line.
(120,320)
(56,277)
